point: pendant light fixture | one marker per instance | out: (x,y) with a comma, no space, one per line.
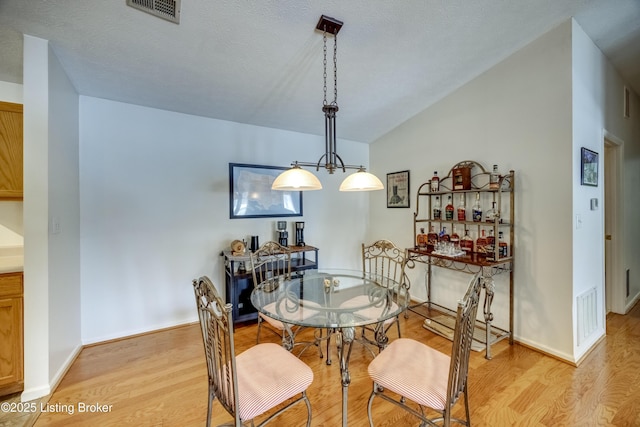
(298,179)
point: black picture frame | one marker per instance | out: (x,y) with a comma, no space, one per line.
(588,167)
(398,195)
(251,196)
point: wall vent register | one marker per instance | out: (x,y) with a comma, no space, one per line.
(165,9)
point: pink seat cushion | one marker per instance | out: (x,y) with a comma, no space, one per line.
(299,313)
(413,370)
(267,376)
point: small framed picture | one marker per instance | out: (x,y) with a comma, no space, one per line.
(398,189)
(589,170)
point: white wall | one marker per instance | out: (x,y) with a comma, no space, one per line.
(598,109)
(516,115)
(155,209)
(64,211)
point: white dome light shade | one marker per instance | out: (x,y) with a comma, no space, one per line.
(361,181)
(296,179)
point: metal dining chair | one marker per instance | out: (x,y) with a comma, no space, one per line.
(421,374)
(271,266)
(255,381)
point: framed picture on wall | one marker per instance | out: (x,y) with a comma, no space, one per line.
(251,196)
(398,189)
(589,169)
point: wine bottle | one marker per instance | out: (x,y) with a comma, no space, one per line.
(448,210)
(494,179)
(477,209)
(435,182)
(462,211)
(491,246)
(437,210)
(455,238)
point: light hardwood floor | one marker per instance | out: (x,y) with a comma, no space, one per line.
(159,379)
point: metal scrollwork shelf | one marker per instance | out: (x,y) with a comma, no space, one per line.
(476,189)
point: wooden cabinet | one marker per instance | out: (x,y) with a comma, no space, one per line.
(11,168)
(11,334)
(239,280)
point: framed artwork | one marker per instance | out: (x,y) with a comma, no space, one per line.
(251,196)
(589,167)
(398,189)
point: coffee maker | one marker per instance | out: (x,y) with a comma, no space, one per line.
(283,234)
(299,233)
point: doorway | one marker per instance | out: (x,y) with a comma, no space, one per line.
(615,288)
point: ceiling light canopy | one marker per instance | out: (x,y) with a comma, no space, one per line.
(298,179)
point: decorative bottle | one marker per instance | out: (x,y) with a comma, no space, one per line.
(481,244)
(462,211)
(421,239)
(435,182)
(477,209)
(504,247)
(490,215)
(491,245)
(432,239)
(437,210)
(455,238)
(448,210)
(444,236)
(494,179)
(466,243)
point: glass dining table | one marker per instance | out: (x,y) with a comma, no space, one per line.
(337,301)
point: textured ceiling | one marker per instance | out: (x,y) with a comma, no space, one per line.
(260,62)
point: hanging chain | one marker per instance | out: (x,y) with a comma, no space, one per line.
(335,68)
(324,64)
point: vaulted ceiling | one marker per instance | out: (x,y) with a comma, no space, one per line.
(260,62)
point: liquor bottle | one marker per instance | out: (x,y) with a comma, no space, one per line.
(504,247)
(421,239)
(490,215)
(432,239)
(437,210)
(494,179)
(481,244)
(435,182)
(466,243)
(462,211)
(448,210)
(491,246)
(444,236)
(455,238)
(477,209)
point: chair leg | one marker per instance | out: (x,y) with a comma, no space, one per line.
(373,394)
(209,405)
(259,327)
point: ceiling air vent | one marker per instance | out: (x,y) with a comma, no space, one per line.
(166,9)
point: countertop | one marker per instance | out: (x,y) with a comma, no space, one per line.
(11,259)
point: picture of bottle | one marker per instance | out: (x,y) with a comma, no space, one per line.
(421,240)
(494,179)
(477,209)
(435,182)
(448,210)
(437,210)
(462,212)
